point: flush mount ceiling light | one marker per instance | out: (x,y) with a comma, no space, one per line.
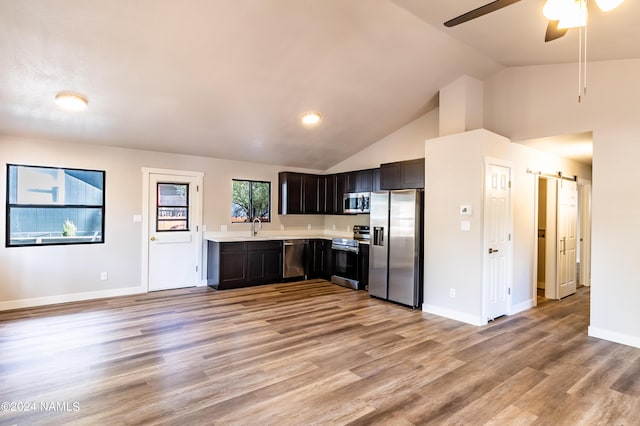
(71,101)
(310,118)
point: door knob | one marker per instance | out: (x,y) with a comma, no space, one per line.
(153,238)
(493,251)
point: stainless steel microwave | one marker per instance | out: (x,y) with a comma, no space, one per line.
(356,202)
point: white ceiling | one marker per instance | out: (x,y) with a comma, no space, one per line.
(230,78)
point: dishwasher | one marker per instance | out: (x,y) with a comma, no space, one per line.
(293,258)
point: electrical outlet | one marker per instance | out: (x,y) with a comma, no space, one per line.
(452,293)
(103,276)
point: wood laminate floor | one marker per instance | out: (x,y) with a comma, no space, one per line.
(308,353)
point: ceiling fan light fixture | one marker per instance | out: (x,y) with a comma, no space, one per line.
(575,16)
(554,10)
(607,5)
(71,101)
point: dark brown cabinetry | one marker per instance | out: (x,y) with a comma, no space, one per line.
(290,193)
(240,264)
(364,180)
(319,259)
(264,262)
(376,180)
(310,194)
(402,175)
(363,267)
(226,265)
(327,194)
(301,193)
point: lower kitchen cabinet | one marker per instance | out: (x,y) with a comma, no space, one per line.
(226,265)
(363,267)
(264,262)
(248,263)
(319,259)
(241,264)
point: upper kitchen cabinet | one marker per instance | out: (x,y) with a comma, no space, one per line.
(310,194)
(342,186)
(364,180)
(289,193)
(299,193)
(402,175)
(376,180)
(327,194)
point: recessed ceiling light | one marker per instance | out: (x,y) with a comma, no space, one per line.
(71,101)
(311,117)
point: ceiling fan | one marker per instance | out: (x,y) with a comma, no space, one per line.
(558,12)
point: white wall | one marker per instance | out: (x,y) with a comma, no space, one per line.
(461,106)
(406,143)
(530,102)
(454,173)
(36,275)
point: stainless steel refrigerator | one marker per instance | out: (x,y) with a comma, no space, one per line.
(395,252)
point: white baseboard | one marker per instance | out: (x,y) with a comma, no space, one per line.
(72,297)
(527,304)
(454,315)
(614,336)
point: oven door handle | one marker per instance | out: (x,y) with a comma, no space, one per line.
(347,250)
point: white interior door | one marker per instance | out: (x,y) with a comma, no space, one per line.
(567,218)
(497,240)
(173,231)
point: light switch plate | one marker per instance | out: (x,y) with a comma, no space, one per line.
(137,218)
(465,225)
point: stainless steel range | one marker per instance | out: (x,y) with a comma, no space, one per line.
(345,262)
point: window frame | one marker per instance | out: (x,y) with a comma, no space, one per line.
(187,220)
(251,182)
(71,240)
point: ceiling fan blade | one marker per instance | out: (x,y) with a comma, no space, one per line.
(553,32)
(476,13)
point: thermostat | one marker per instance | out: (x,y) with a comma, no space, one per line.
(465,209)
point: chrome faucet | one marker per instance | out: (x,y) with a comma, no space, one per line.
(254,230)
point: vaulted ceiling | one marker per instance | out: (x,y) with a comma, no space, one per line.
(231,78)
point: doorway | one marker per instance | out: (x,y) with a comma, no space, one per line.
(563,243)
(172,229)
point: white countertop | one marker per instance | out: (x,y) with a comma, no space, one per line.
(239,238)
(229,237)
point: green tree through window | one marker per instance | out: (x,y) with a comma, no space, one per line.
(250,199)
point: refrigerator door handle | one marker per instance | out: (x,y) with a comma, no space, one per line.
(378,236)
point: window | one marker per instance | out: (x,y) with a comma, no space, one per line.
(249,200)
(173,207)
(49,205)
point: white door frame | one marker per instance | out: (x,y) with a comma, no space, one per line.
(550,238)
(488,161)
(584,200)
(197,218)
